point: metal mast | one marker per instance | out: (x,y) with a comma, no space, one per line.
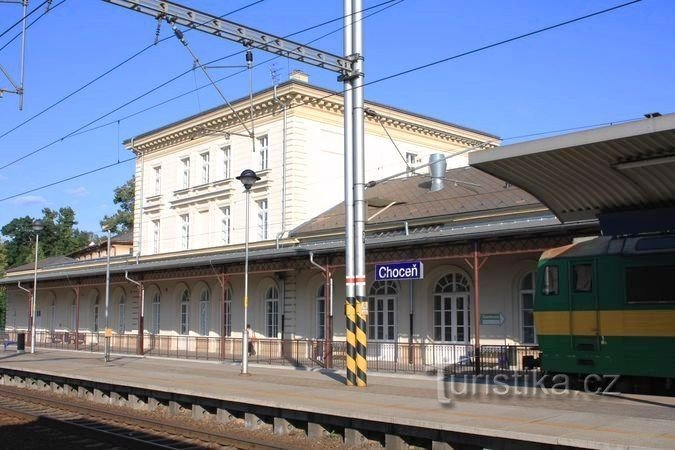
(350,73)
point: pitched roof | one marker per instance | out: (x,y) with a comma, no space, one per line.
(468,192)
(124,238)
(42,263)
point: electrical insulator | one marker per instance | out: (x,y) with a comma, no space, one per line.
(249,58)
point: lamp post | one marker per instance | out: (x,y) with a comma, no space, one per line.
(248,179)
(106,348)
(37,227)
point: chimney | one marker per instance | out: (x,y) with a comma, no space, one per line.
(437,168)
(299,75)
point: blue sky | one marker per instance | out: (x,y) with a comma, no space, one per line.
(609,68)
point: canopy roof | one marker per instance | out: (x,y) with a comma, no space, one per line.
(583,175)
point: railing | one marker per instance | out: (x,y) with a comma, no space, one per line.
(439,358)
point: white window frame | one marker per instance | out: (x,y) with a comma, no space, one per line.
(227,313)
(226,224)
(185,166)
(184,319)
(263,150)
(272,312)
(206,167)
(53,319)
(156,304)
(321,312)
(185,231)
(522,291)
(158,180)
(382,303)
(96,315)
(73,316)
(156,230)
(452,287)
(263,219)
(411,160)
(121,319)
(227,161)
(204,300)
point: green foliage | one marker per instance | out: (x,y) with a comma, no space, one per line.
(59,236)
(123,220)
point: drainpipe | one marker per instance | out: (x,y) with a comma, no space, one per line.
(30,299)
(141,313)
(283,166)
(328,338)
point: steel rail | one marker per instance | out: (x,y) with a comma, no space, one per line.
(156,431)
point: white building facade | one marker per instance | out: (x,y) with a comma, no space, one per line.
(187,194)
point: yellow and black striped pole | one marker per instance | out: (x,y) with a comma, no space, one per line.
(350,313)
(361,333)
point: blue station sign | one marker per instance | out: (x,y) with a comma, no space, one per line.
(409,270)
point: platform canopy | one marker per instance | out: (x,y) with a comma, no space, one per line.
(584,175)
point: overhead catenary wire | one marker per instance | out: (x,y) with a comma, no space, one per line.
(44,13)
(98,169)
(393,75)
(154,89)
(390,4)
(424,66)
(30,13)
(195,59)
(107,72)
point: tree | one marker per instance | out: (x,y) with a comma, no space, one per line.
(58,237)
(123,220)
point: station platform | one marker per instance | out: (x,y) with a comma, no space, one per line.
(573,419)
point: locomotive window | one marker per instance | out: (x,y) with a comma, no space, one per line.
(550,286)
(656,243)
(651,284)
(583,277)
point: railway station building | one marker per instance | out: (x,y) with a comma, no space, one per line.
(180,291)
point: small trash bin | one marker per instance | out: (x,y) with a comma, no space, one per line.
(21,342)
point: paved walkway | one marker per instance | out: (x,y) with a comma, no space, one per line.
(574,419)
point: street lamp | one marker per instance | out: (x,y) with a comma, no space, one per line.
(37,227)
(108,333)
(248,179)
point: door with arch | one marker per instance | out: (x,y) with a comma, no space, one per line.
(452,319)
(382,329)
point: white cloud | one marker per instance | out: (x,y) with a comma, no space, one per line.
(79,191)
(30,200)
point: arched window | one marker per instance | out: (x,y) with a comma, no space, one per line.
(382,310)
(526,296)
(122,318)
(155,312)
(185,312)
(272,312)
(227,312)
(452,301)
(96,313)
(204,311)
(321,312)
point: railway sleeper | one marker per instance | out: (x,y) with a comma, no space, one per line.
(281,421)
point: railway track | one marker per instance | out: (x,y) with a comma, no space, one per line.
(90,425)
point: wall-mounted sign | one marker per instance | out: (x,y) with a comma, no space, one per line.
(492,319)
(409,270)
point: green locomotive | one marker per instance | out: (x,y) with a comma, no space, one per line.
(607,306)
